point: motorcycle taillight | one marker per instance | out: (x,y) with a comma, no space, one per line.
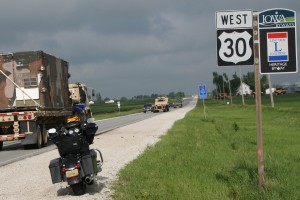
(78,166)
(63,170)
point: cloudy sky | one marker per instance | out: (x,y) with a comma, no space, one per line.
(129,47)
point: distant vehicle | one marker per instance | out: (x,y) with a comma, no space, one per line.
(178,103)
(161,104)
(147,107)
(280,91)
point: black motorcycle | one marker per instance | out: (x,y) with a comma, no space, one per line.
(77,165)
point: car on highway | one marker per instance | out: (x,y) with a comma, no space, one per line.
(147,107)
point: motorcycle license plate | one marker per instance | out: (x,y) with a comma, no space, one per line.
(72,173)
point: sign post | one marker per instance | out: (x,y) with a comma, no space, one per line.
(119,106)
(203,95)
(260,163)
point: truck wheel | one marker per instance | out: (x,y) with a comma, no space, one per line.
(44,135)
(39,138)
(1,145)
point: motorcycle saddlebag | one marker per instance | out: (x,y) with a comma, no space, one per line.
(55,171)
(87,164)
(94,160)
(91,130)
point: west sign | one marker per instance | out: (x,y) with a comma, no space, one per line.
(278,42)
(234,38)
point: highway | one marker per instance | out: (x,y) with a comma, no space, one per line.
(14,151)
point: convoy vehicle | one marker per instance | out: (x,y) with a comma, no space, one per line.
(34,96)
(161,104)
(279,91)
(178,103)
(80,96)
(147,107)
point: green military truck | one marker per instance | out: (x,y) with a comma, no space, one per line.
(34,96)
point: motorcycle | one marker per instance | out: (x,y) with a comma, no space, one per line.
(77,164)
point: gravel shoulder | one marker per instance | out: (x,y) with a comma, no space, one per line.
(30,178)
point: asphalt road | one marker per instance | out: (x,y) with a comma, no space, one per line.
(14,151)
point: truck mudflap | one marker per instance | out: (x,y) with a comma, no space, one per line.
(34,138)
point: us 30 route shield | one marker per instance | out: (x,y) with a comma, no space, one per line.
(235,47)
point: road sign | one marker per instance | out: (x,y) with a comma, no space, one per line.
(234,19)
(234,38)
(235,47)
(202,91)
(278,41)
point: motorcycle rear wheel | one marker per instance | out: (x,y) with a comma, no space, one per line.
(79,188)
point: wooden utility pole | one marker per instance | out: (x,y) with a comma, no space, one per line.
(261,178)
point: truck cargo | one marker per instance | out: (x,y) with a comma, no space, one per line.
(161,104)
(34,96)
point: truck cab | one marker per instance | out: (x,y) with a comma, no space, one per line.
(80,96)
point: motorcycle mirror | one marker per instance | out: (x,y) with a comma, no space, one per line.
(52,130)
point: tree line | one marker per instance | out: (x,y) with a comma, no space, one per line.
(171,95)
(225,85)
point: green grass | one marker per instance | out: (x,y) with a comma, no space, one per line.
(116,114)
(215,158)
(108,110)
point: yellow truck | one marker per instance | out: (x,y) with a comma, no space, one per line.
(161,104)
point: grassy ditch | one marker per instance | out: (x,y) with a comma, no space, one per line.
(108,110)
(215,158)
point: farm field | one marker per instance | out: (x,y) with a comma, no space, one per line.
(109,110)
(216,157)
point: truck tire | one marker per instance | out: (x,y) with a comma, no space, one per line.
(44,135)
(39,139)
(1,145)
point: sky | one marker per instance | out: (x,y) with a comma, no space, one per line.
(125,48)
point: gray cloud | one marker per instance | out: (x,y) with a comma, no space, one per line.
(128,47)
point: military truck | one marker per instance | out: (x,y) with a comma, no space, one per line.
(161,104)
(80,96)
(34,96)
(178,103)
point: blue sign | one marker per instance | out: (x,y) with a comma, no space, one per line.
(202,91)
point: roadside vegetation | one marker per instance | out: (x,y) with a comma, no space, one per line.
(216,157)
(103,110)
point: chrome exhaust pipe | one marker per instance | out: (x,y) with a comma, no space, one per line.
(89,179)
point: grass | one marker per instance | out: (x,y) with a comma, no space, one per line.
(108,110)
(215,158)
(116,114)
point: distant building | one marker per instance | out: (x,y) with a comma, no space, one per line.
(268,90)
(110,101)
(244,89)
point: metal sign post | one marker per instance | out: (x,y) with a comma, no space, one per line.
(119,105)
(203,95)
